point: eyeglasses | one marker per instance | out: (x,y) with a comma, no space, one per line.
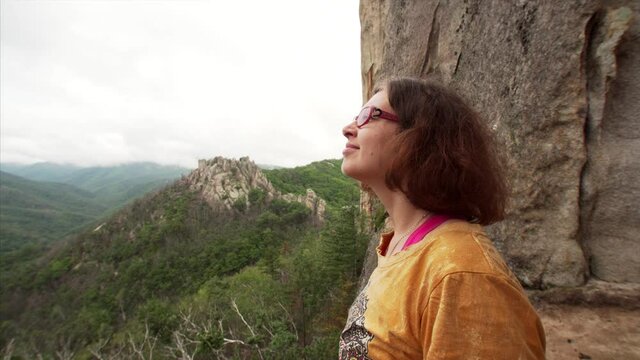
(371,112)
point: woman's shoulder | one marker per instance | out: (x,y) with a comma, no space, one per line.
(461,247)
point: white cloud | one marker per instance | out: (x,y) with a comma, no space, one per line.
(102,82)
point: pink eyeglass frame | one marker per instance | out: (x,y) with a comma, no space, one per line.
(374,112)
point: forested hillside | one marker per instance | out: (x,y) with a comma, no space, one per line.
(170,277)
(46,202)
(34,212)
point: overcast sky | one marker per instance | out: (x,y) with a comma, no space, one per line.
(93,82)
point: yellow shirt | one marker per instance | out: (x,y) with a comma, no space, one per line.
(450,296)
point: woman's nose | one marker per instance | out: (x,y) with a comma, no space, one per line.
(350,130)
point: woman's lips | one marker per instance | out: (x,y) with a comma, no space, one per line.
(349,149)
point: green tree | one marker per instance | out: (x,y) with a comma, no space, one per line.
(342,245)
(160,316)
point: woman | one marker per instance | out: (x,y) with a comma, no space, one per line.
(441,290)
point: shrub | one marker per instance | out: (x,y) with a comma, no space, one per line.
(240,204)
(257,196)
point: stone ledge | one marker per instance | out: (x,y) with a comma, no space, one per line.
(594,293)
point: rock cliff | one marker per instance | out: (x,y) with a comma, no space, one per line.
(558,82)
(223,183)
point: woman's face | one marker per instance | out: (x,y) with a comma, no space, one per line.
(365,157)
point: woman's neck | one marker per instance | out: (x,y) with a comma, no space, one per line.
(402,212)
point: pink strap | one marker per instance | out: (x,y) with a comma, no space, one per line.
(418,234)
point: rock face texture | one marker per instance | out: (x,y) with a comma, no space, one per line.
(611,186)
(558,82)
(225,182)
(310,200)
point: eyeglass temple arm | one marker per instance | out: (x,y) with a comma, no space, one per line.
(385,115)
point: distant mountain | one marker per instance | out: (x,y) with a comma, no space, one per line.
(39,212)
(112,185)
(44,171)
(47,201)
(116,184)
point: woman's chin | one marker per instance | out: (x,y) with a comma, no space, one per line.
(347,169)
(352,172)
(344,171)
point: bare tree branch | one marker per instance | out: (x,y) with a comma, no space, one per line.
(144,348)
(235,307)
(96,350)
(290,320)
(64,349)
(182,343)
(8,350)
(253,333)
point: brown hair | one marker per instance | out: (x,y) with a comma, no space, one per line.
(445,161)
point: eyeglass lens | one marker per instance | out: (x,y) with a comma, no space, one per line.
(363,116)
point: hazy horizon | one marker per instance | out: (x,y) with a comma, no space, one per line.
(7,163)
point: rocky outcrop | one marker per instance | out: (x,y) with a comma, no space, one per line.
(311,200)
(558,83)
(223,183)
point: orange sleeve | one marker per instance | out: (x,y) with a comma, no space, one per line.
(480,316)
